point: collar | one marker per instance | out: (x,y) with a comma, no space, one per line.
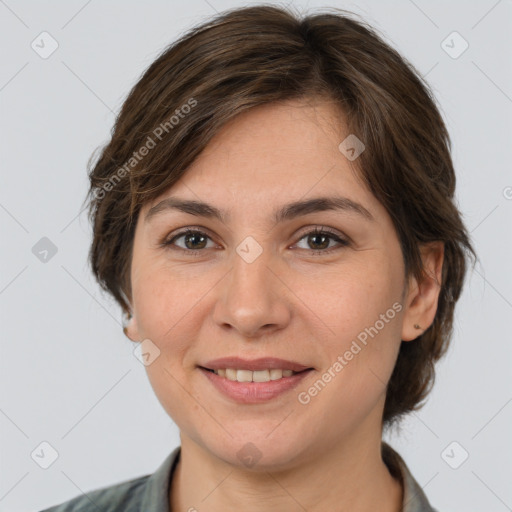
(414,499)
(156,494)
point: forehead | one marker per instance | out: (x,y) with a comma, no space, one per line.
(272,153)
(274,136)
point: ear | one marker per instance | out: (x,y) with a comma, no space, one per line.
(130,328)
(422,295)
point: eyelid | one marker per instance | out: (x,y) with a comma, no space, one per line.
(324,229)
(167,239)
(341,239)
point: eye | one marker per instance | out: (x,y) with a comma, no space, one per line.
(195,240)
(321,238)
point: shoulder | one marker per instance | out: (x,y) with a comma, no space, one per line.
(124,496)
(147,492)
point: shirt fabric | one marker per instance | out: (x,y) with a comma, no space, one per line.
(150,493)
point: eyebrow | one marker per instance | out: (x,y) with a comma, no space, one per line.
(287,212)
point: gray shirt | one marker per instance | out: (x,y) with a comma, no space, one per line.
(151,492)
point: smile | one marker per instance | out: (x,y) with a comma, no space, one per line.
(253,376)
(243,386)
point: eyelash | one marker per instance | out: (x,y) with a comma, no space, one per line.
(167,243)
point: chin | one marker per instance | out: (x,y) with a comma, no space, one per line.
(256,450)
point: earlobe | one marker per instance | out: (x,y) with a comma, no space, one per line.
(130,327)
(422,298)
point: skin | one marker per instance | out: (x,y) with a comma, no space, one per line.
(288,303)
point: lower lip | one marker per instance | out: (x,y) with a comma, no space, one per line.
(254,392)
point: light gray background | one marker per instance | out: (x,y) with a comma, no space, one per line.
(68,375)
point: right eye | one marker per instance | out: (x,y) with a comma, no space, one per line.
(191,237)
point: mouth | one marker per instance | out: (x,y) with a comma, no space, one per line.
(263,369)
(254,381)
(240,375)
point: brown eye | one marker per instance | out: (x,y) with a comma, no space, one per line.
(319,239)
(193,240)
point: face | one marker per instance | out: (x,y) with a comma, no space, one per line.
(251,286)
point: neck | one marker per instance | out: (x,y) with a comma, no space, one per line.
(348,477)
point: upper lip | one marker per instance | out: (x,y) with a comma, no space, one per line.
(262,363)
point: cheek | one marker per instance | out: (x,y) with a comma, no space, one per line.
(165,305)
(354,297)
(363,310)
(169,304)
(164,298)
(360,356)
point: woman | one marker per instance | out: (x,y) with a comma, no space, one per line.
(275,216)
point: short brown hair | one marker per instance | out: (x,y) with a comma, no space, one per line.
(251,56)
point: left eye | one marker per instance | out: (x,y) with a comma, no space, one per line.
(323,238)
(195,240)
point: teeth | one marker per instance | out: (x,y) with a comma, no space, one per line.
(231,374)
(261,376)
(256,376)
(244,375)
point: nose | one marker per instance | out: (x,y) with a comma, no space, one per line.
(253,299)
